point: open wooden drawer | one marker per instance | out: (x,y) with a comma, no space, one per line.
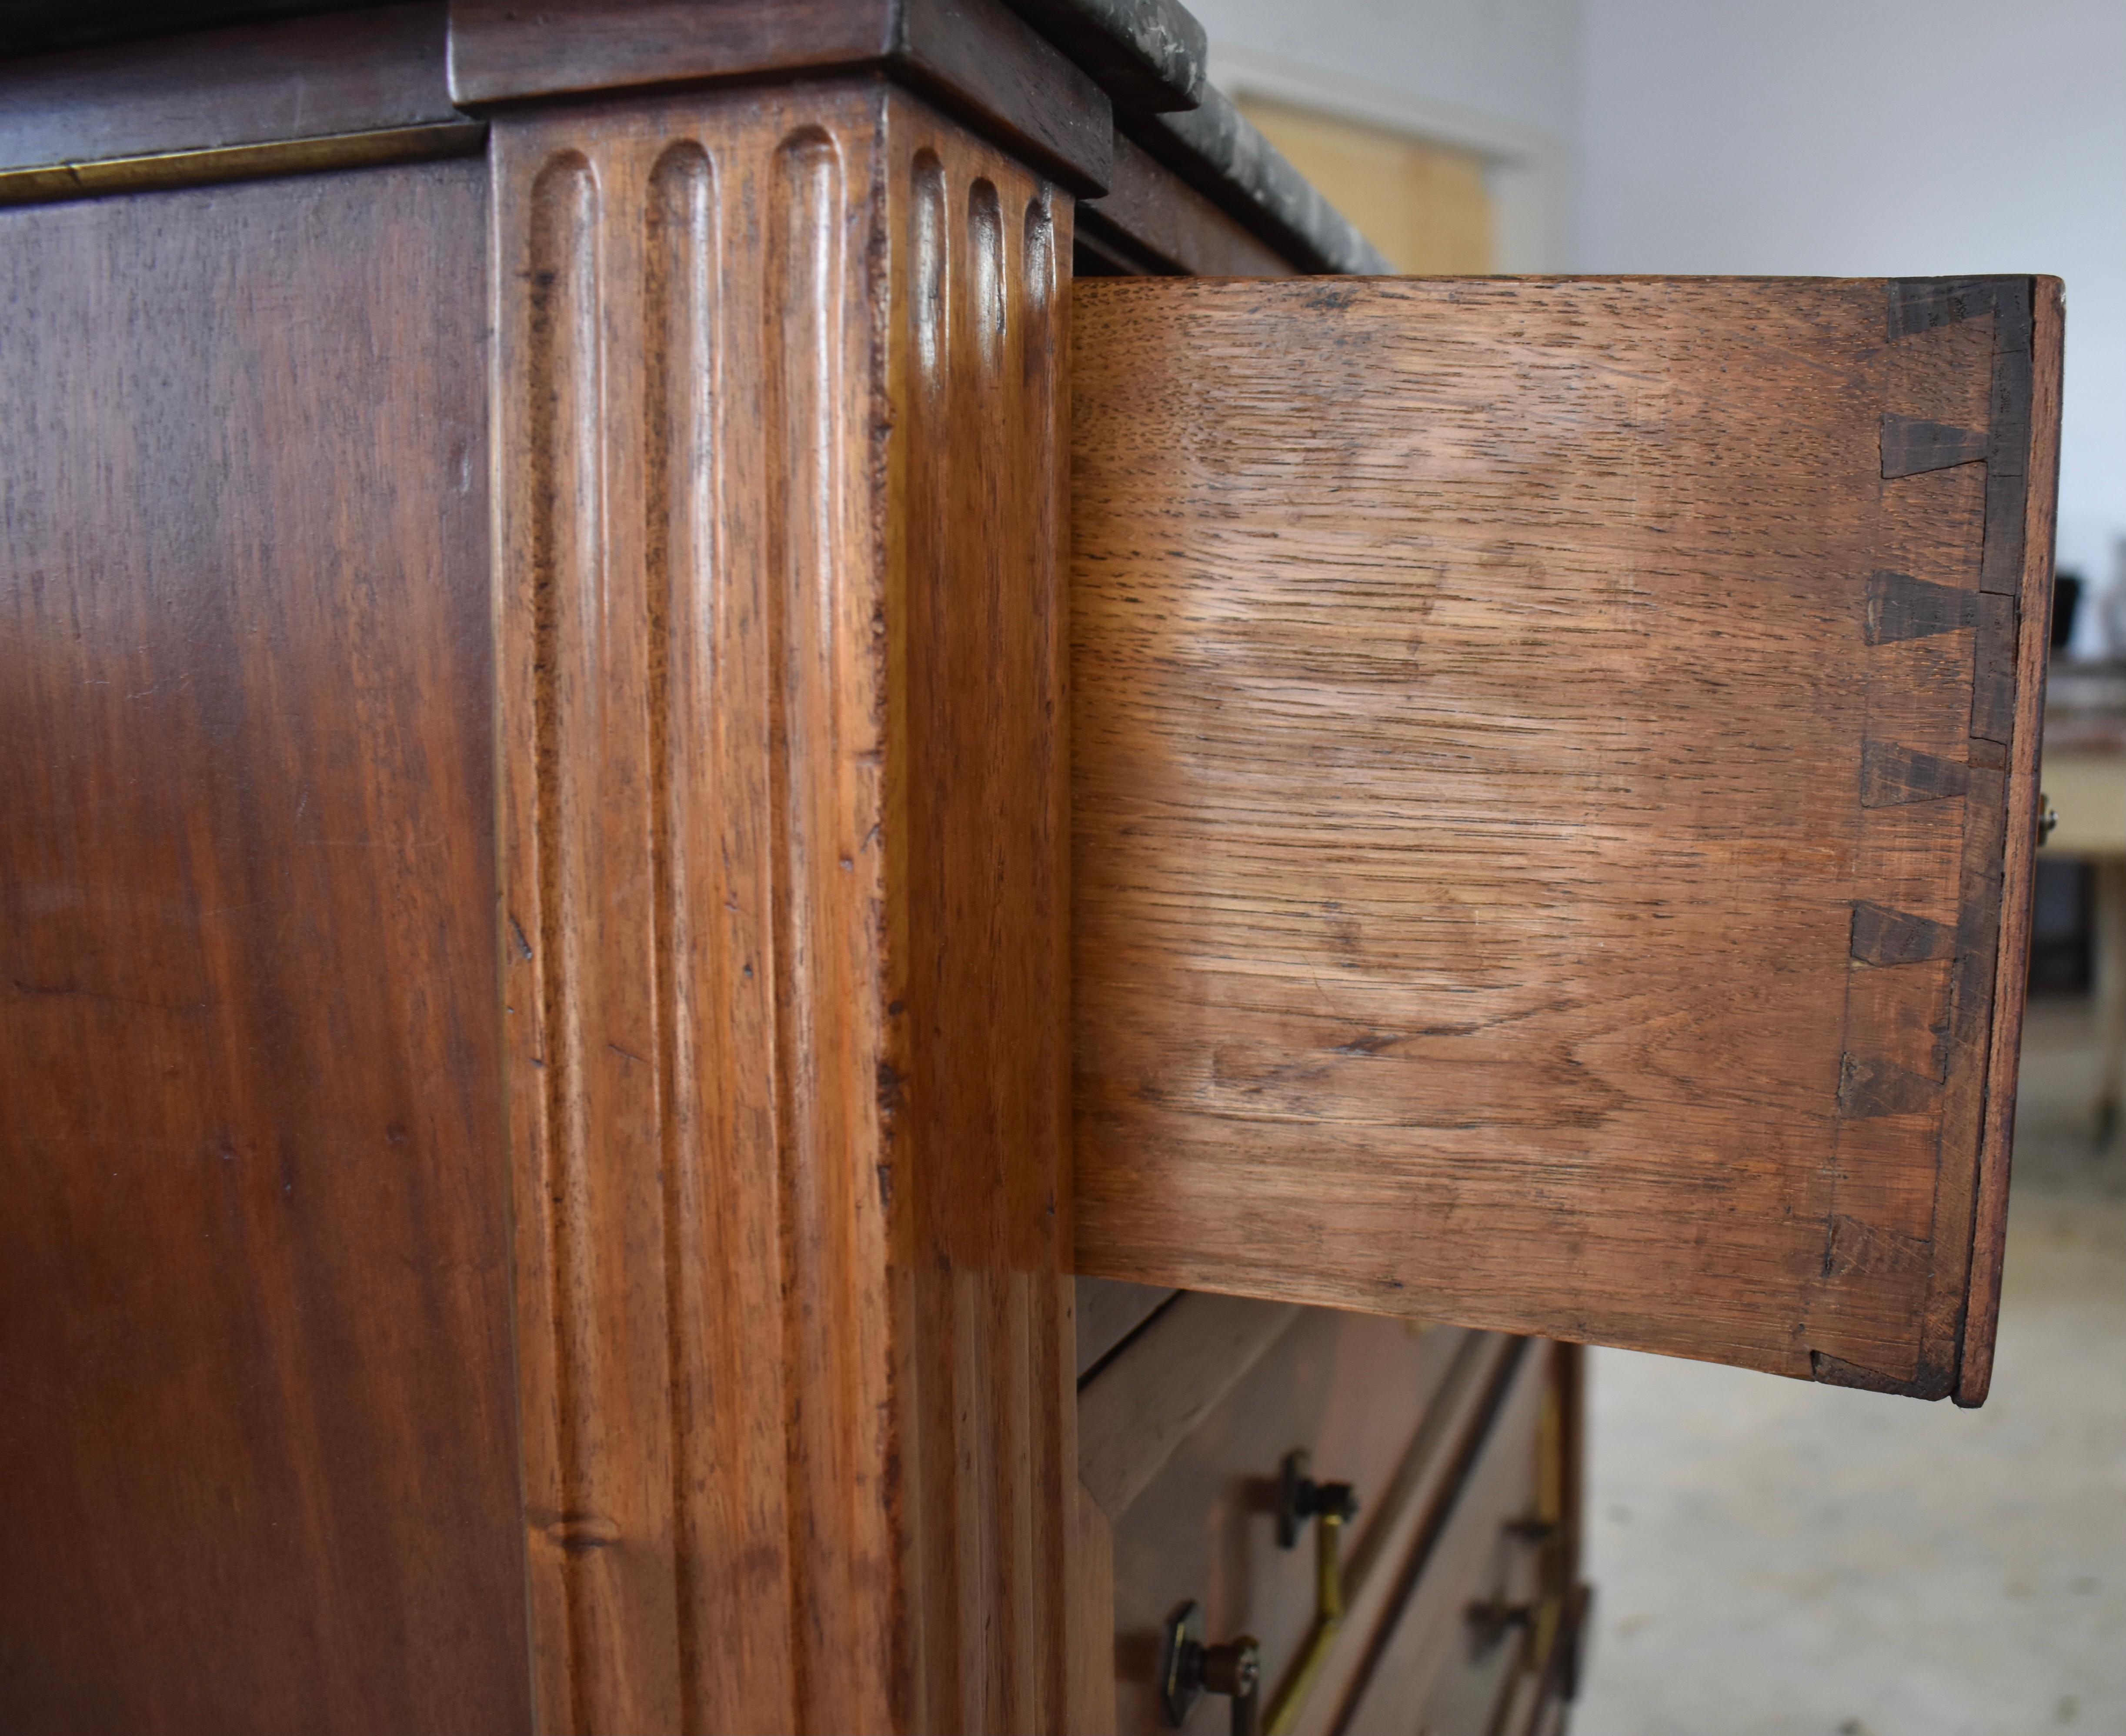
(1554,795)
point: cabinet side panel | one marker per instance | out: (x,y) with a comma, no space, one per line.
(261,1458)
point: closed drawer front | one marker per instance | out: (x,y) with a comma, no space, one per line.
(1450,1651)
(1183,1433)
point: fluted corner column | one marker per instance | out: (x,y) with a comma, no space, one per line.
(779,383)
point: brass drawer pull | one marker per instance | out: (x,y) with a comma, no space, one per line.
(1189,1669)
(1330,1504)
(1494,1618)
(1301,1498)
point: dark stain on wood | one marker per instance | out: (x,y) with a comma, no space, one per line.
(2007,708)
(1902,607)
(1993,672)
(1857,1247)
(2008,443)
(1836,1371)
(1868,1088)
(1918,304)
(1892,774)
(1882,935)
(1911,444)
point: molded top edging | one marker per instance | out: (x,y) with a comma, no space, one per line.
(1220,152)
(1043,73)
(1148,56)
(971,56)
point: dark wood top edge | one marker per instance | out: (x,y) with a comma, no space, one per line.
(972,57)
(264,85)
(1004,76)
(363,71)
(503,52)
(54,26)
(1148,56)
(1151,223)
(1049,76)
(1218,151)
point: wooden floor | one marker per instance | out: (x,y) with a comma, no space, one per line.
(1777,1560)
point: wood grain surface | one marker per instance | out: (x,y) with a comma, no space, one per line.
(779,400)
(1404,1510)
(1412,1416)
(258,1445)
(1541,828)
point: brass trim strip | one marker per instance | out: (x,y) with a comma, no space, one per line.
(240,162)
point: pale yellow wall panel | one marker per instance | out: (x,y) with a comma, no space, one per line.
(1424,206)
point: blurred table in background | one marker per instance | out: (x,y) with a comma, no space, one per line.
(2084,780)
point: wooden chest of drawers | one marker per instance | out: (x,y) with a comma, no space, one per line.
(691,719)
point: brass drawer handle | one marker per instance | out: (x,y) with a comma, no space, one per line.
(1494,1618)
(1189,1669)
(1329,1505)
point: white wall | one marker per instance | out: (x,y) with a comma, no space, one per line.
(1842,138)
(1879,138)
(1511,60)
(1500,78)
